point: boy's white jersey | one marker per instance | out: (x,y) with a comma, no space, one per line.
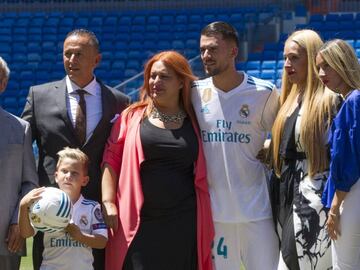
(61,252)
(233,127)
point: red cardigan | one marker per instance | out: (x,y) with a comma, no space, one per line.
(123,152)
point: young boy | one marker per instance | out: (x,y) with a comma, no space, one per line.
(71,248)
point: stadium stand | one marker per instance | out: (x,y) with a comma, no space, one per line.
(31,41)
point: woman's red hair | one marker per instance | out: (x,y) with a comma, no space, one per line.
(182,69)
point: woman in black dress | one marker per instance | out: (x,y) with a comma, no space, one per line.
(154,183)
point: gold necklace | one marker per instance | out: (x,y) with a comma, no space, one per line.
(166,118)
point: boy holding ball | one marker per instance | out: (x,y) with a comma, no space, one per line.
(72,247)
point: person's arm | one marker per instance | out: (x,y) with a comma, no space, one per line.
(108,188)
(345,153)
(268,116)
(93,241)
(29,181)
(111,165)
(28,113)
(332,222)
(270,110)
(26,230)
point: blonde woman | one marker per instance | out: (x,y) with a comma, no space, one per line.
(340,72)
(300,157)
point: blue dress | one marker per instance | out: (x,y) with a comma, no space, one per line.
(344,142)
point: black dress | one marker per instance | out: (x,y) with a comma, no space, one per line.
(166,238)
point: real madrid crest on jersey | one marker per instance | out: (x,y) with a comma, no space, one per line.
(244,111)
(83,220)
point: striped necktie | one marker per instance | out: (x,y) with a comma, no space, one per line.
(80,120)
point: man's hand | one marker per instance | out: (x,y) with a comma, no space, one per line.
(14,240)
(262,155)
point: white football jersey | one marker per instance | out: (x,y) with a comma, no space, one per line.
(61,252)
(233,127)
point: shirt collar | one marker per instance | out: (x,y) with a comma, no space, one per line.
(81,198)
(91,88)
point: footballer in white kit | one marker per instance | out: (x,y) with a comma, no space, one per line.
(233,128)
(234,123)
(62,252)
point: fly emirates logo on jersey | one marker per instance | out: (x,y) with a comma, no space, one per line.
(66,241)
(224,133)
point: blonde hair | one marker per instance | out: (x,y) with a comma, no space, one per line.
(317,103)
(75,154)
(341,57)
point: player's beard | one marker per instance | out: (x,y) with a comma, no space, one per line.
(214,71)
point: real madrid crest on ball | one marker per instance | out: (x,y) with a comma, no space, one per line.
(244,111)
(52,212)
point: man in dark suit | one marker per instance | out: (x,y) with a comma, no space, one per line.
(52,110)
(18,177)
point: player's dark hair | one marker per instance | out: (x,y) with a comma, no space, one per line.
(227,31)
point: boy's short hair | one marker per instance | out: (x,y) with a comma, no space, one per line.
(73,153)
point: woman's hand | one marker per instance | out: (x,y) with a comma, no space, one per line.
(333,224)
(333,221)
(110,213)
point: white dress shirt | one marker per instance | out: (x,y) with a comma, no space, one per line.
(93,103)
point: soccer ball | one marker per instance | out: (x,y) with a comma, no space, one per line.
(52,212)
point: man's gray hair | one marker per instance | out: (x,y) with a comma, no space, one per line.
(84,32)
(4,69)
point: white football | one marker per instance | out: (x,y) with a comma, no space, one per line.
(52,212)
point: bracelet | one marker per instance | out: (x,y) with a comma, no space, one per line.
(332,214)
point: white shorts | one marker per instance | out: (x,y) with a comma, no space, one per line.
(253,244)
